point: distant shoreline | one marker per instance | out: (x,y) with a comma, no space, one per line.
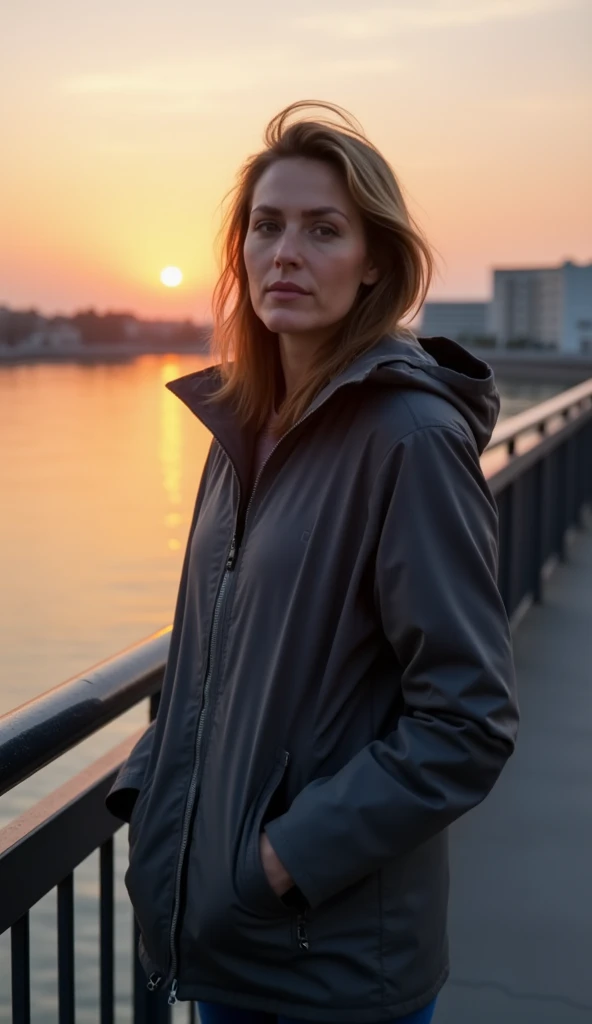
(511,365)
(97,353)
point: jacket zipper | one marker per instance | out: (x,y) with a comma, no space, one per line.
(230,563)
(258,477)
(192,791)
(301,933)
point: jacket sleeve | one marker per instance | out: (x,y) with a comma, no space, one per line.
(123,794)
(439,604)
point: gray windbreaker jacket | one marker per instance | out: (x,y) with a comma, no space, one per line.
(339,674)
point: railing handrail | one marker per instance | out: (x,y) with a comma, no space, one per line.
(35,838)
(538,415)
(39,731)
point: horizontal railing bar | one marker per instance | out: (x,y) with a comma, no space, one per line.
(532,418)
(500,478)
(47,842)
(34,734)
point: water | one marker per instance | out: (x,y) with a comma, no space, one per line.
(100,465)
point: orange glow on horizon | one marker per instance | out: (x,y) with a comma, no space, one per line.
(120,147)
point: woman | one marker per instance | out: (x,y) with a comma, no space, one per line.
(339,686)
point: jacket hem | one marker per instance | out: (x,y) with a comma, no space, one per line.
(194,991)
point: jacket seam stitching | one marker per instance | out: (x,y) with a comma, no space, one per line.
(410,410)
(416,430)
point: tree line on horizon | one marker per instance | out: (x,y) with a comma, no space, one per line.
(110,328)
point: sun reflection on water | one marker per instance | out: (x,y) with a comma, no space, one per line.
(170,451)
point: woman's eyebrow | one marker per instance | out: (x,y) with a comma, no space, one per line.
(318,211)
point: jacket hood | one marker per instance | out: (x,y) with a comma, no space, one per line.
(438,365)
(442,367)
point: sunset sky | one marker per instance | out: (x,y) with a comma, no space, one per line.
(123,123)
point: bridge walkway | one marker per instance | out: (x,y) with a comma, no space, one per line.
(521,863)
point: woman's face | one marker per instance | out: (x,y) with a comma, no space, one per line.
(304,229)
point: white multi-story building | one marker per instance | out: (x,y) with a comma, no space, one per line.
(548,305)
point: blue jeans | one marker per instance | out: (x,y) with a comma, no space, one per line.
(215,1013)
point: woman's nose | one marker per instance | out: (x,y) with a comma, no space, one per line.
(286,250)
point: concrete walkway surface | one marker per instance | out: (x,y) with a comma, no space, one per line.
(521,863)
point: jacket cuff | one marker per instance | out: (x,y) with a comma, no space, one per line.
(123,794)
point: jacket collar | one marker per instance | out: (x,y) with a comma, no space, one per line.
(194,389)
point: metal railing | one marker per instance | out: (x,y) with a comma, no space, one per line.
(40,850)
(539,468)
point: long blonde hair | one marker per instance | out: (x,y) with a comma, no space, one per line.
(394,242)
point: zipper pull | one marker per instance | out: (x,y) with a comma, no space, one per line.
(231,555)
(173,993)
(153,982)
(301,933)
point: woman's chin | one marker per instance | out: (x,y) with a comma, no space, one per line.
(281,320)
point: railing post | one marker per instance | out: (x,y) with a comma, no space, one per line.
(67,1011)
(582,474)
(106,897)
(562,502)
(506,523)
(21,971)
(538,556)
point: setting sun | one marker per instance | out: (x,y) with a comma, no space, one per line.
(171,276)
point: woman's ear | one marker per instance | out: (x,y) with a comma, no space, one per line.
(371,274)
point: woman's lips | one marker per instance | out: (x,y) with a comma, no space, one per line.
(283,293)
(287,286)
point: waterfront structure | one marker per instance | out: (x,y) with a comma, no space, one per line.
(547,306)
(26,334)
(53,336)
(462,321)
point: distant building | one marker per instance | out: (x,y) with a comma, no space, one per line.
(548,306)
(132,328)
(461,321)
(54,336)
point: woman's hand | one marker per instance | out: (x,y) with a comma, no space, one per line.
(277,876)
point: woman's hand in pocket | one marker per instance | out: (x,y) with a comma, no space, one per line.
(277,876)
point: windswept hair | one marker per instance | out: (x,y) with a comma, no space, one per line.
(248,351)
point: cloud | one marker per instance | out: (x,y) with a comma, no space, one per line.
(430,14)
(150,82)
(187,88)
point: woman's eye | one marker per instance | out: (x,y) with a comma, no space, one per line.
(267,227)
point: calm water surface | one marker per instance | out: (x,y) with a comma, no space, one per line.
(100,466)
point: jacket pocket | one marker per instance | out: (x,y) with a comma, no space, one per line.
(251,882)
